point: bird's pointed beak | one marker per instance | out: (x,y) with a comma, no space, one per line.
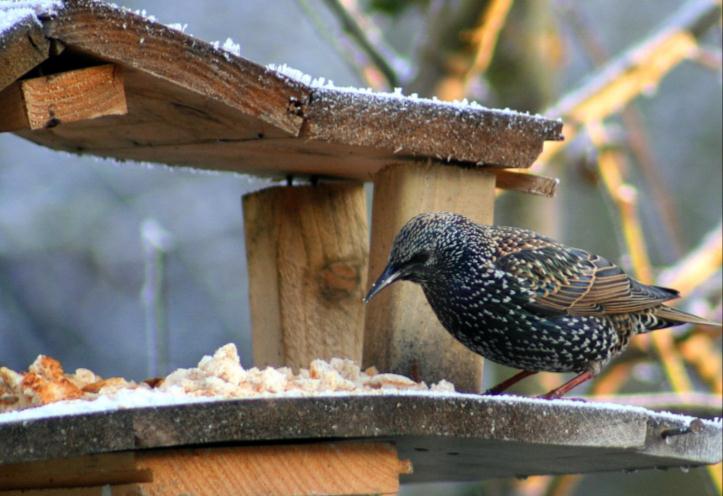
(389,275)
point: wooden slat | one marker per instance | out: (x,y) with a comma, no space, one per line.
(65,97)
(22,48)
(190,63)
(285,470)
(307,250)
(526,183)
(90,470)
(402,334)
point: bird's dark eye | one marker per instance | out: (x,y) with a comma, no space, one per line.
(419,258)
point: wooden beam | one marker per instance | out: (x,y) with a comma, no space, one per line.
(526,183)
(24,46)
(325,468)
(307,251)
(283,470)
(402,334)
(47,101)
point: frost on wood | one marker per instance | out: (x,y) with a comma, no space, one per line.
(12,12)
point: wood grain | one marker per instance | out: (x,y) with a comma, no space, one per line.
(89,470)
(285,470)
(526,183)
(22,47)
(402,334)
(307,251)
(65,97)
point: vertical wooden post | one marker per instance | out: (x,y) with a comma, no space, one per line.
(402,334)
(307,252)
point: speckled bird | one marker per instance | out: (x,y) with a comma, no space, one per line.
(524,300)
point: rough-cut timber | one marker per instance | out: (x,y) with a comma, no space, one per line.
(283,469)
(402,334)
(192,104)
(445,437)
(49,101)
(307,249)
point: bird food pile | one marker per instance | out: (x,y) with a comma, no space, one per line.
(220,375)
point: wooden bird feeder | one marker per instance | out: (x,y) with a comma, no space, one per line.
(90,78)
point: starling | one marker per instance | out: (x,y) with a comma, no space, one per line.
(524,300)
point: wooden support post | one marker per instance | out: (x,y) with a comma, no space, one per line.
(307,252)
(282,470)
(402,334)
(65,97)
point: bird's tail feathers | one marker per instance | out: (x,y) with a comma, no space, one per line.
(676,317)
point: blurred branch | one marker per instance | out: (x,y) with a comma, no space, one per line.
(691,403)
(699,265)
(625,198)
(156,244)
(705,359)
(345,52)
(484,37)
(709,57)
(481,41)
(635,129)
(365,35)
(636,71)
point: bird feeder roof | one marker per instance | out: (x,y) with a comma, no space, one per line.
(148,92)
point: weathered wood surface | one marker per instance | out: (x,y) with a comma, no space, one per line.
(48,101)
(402,334)
(445,437)
(282,469)
(261,121)
(307,250)
(22,47)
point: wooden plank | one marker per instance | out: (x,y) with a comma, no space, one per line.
(22,47)
(89,470)
(402,334)
(105,490)
(526,183)
(279,470)
(190,63)
(307,250)
(65,97)
(74,96)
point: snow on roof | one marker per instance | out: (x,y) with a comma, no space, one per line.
(323,83)
(13,11)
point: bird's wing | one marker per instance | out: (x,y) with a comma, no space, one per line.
(573,281)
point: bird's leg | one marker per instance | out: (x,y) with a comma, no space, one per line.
(504,385)
(572,383)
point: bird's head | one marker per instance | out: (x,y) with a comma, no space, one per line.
(419,249)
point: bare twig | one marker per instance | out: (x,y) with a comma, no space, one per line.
(359,29)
